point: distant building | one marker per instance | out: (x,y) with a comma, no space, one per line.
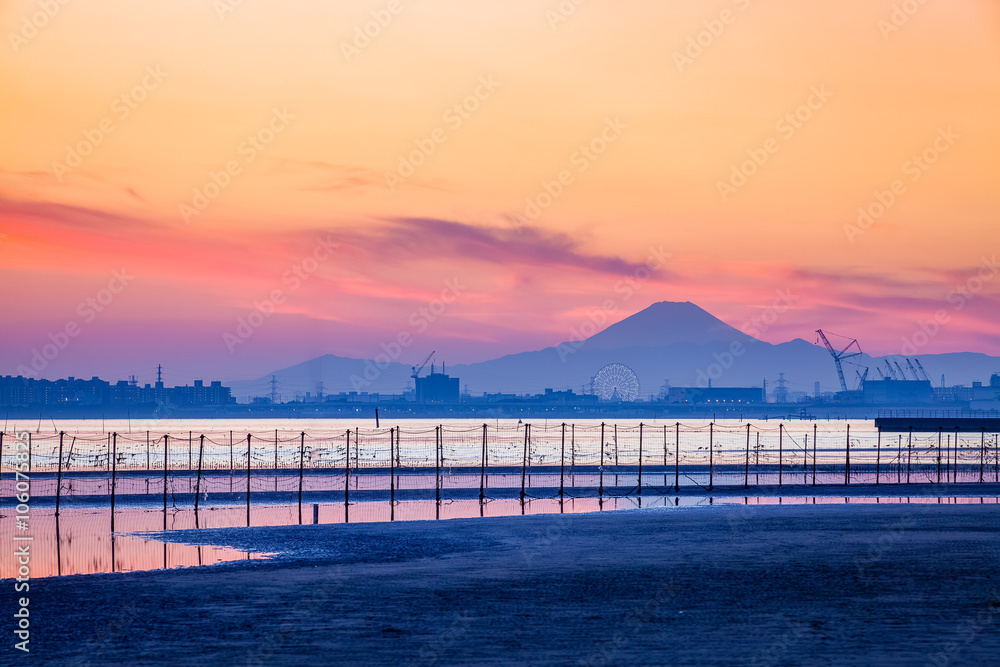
(22,391)
(986,398)
(437,388)
(715,395)
(897,392)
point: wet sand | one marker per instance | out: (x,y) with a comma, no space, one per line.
(890,584)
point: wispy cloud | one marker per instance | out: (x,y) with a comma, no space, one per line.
(423,237)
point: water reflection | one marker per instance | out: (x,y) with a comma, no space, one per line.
(80,541)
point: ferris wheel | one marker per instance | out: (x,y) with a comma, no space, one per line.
(616,382)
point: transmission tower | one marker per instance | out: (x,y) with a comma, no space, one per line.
(781,393)
(274,389)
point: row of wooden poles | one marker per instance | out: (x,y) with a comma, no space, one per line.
(439,462)
(439,434)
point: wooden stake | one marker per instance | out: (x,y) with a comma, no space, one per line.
(954,466)
(847,463)
(302,459)
(711,462)
(438,450)
(562,462)
(114,474)
(392,474)
(347,475)
(909,454)
(248,479)
(640,459)
(746,463)
(482,470)
(392,470)
(197,485)
(982,453)
(899,459)
(878,456)
(58,472)
(677,457)
(600,467)
(524,460)
(166,466)
(940,430)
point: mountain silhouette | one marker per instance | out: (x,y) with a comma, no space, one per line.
(666,323)
(667,341)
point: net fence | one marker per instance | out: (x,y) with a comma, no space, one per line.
(461,460)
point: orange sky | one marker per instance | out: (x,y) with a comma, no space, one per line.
(668,119)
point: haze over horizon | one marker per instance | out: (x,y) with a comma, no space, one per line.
(489,178)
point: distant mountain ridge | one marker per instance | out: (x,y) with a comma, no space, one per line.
(675,341)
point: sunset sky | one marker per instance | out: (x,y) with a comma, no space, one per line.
(506,167)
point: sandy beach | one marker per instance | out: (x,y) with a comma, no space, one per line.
(725,585)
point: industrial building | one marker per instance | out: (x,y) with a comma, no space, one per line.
(437,388)
(715,396)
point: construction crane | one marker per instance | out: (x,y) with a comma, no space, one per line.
(902,373)
(840,356)
(892,373)
(909,364)
(923,373)
(419,367)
